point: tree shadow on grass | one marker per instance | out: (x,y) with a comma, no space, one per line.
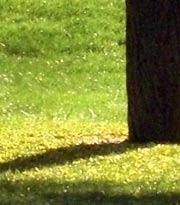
(97,198)
(79,193)
(69,154)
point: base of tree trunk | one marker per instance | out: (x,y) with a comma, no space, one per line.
(153,70)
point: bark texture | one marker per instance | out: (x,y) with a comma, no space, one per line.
(153,70)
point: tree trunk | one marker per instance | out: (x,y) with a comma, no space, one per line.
(153,70)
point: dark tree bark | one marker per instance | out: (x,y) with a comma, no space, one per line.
(153,70)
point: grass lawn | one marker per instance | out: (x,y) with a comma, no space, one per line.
(62,60)
(63,109)
(78,163)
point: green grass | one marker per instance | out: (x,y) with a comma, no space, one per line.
(63,109)
(63,60)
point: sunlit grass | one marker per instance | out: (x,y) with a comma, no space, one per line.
(52,162)
(68,88)
(63,109)
(63,60)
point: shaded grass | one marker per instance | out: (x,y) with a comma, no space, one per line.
(63,155)
(43,194)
